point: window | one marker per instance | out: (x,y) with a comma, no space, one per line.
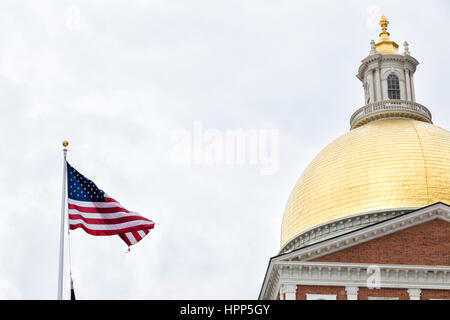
(320,296)
(393,87)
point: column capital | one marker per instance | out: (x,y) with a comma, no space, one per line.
(414,294)
(352,293)
(289,291)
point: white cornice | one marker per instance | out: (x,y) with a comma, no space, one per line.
(379,58)
(357,275)
(339,226)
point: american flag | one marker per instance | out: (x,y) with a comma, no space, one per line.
(100,215)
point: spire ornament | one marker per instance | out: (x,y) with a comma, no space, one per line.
(406,47)
(372,47)
(386,46)
(384,35)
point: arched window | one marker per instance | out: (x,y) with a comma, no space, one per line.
(393,87)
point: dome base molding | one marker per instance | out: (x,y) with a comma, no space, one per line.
(340,226)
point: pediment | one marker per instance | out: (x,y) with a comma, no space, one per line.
(369,233)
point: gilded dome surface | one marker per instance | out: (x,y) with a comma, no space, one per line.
(385,164)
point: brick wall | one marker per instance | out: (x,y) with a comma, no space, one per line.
(425,244)
(434,294)
(365,293)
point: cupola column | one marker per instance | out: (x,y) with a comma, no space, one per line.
(370,92)
(413,92)
(408,85)
(378,84)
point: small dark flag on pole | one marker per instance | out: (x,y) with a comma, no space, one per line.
(72,290)
(98,214)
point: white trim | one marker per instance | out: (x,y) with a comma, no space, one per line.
(305,273)
(311,296)
(382,298)
(388,71)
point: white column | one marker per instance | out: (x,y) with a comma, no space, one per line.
(384,90)
(413,91)
(379,96)
(408,85)
(371,87)
(289,291)
(352,293)
(403,95)
(414,294)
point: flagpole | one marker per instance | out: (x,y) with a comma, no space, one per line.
(63,211)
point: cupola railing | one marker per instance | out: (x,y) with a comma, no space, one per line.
(390,109)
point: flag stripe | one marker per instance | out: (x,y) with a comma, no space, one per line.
(142,233)
(107,221)
(105,216)
(118,226)
(98,209)
(136,235)
(125,238)
(131,237)
(105,232)
(94,204)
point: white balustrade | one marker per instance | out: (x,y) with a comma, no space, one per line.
(389,109)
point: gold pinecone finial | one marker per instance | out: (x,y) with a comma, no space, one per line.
(384,22)
(386,46)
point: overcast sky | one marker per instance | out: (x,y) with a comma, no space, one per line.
(122,79)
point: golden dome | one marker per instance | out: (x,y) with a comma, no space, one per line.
(385,164)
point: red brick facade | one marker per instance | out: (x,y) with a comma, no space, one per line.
(425,244)
(366,293)
(435,294)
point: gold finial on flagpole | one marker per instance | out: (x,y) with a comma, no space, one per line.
(65,143)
